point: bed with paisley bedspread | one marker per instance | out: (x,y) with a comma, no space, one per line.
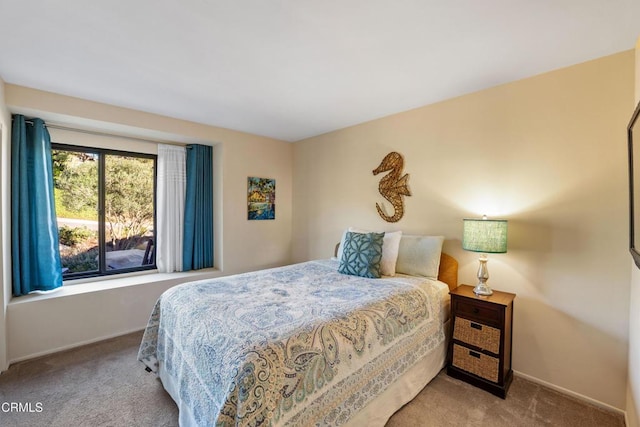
(296,345)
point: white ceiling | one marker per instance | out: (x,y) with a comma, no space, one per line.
(291,69)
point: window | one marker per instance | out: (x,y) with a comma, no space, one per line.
(105,205)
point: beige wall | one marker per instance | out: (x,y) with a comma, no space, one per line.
(633,385)
(548,154)
(240,245)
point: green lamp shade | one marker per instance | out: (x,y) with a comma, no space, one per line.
(488,236)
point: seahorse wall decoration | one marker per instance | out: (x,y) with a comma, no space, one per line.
(392,186)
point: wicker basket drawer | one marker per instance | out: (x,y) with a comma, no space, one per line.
(477,334)
(476,363)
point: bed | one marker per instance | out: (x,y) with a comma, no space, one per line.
(298,345)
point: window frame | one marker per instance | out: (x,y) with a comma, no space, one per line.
(102,264)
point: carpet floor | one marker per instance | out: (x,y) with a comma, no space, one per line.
(102,384)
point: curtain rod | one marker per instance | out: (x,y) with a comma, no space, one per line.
(110,135)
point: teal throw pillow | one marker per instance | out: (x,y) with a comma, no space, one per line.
(361,254)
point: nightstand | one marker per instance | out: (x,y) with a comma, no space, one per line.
(480,340)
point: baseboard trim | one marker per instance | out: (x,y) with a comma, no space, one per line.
(572,394)
(70,346)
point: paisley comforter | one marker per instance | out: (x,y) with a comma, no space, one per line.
(296,345)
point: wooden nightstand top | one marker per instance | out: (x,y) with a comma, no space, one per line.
(498,297)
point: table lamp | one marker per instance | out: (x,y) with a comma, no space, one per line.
(484,236)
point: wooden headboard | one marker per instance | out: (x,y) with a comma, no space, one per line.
(447,272)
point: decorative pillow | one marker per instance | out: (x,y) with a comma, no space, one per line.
(390,246)
(362,254)
(420,255)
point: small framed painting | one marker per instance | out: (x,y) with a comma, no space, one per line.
(261,198)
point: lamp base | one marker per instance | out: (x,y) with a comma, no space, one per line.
(483,275)
(482,289)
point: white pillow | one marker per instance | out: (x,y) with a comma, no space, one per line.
(420,255)
(390,245)
(341,247)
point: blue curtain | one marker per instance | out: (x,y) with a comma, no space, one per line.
(34,231)
(198,209)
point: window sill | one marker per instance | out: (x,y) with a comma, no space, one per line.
(83,286)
